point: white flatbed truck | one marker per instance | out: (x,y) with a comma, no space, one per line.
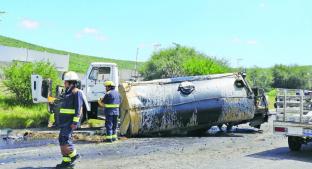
(294,116)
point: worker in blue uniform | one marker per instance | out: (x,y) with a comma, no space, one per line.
(110,102)
(71,105)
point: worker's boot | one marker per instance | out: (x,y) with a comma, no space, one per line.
(73,155)
(76,157)
(108,139)
(114,137)
(66,163)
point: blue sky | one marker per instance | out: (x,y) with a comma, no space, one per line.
(245,32)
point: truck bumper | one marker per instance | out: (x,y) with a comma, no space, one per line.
(292,129)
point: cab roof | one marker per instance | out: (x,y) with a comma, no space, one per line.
(103,63)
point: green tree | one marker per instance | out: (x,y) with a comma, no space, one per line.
(17,78)
(181,61)
(260,77)
(292,77)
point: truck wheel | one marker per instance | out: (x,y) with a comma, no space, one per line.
(198,132)
(294,143)
(257,126)
(229,127)
(220,127)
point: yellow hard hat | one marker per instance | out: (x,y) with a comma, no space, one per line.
(109,83)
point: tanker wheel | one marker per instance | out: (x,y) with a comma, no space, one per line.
(257,126)
(229,127)
(294,143)
(220,127)
(198,132)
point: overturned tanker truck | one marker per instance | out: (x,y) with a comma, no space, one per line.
(184,104)
(190,104)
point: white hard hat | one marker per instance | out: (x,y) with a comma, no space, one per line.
(71,76)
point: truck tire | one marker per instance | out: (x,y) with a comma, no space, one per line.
(229,127)
(198,132)
(294,143)
(258,126)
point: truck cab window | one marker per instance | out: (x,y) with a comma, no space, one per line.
(100,74)
(45,88)
(93,74)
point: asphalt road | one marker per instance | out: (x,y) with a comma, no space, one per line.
(244,148)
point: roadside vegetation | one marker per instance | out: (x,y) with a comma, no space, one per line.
(181,61)
(18,116)
(16,107)
(15,115)
(280,76)
(271,98)
(18,76)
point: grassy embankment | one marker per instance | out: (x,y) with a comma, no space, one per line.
(77,62)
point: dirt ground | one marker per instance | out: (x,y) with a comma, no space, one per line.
(244,148)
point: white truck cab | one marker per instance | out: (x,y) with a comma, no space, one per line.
(92,85)
(97,74)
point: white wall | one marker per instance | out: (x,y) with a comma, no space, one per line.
(8,54)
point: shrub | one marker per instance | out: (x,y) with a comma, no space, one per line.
(17,78)
(181,61)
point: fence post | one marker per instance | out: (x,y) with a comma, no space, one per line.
(284,104)
(301,105)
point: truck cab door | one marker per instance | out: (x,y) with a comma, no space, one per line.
(95,82)
(40,89)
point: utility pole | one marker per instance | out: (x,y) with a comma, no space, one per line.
(136,64)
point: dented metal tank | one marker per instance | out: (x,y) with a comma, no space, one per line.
(185,103)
